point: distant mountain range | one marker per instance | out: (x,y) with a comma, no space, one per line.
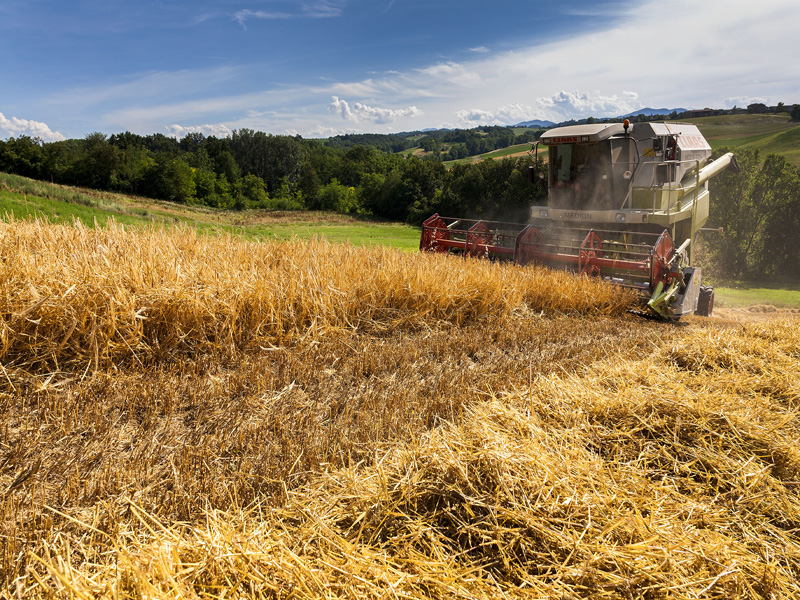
(534,123)
(648,112)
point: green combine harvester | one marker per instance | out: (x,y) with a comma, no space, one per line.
(625,203)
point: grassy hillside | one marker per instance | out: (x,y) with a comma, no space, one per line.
(743,126)
(22,198)
(189,416)
(770,134)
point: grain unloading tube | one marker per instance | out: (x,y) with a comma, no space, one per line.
(624,203)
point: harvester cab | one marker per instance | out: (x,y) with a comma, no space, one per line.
(625,203)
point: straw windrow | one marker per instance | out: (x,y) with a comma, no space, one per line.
(577,487)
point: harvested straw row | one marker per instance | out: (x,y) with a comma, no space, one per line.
(180,436)
(631,478)
(74,297)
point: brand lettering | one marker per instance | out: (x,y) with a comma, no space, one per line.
(564,140)
(692,141)
(578,215)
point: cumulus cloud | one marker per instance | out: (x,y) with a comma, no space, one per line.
(219,130)
(578,104)
(360,113)
(744,101)
(561,106)
(320,131)
(15,127)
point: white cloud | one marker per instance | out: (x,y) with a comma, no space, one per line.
(342,108)
(243,15)
(452,73)
(203,18)
(219,130)
(361,113)
(581,104)
(319,9)
(558,107)
(744,101)
(15,127)
(323,9)
(319,131)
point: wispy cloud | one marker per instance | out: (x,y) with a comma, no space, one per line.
(243,15)
(15,127)
(459,74)
(323,9)
(203,18)
(156,84)
(320,9)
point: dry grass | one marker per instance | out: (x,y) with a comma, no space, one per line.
(314,421)
(77,297)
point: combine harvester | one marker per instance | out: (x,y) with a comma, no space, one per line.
(625,203)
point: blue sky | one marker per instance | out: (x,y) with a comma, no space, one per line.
(323,67)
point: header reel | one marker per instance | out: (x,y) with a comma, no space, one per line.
(646,262)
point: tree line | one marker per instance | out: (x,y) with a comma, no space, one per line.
(444,144)
(252,169)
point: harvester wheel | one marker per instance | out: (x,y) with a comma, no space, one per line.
(705,301)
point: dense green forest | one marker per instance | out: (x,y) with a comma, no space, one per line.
(758,210)
(252,169)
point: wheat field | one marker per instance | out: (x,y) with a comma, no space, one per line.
(187,416)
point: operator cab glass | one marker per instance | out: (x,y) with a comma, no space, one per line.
(589,176)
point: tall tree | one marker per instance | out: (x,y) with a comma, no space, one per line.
(758,209)
(99,163)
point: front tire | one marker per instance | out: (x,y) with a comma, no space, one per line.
(705,301)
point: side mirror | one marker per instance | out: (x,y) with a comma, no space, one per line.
(535,175)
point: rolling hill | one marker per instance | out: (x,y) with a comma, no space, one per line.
(769,133)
